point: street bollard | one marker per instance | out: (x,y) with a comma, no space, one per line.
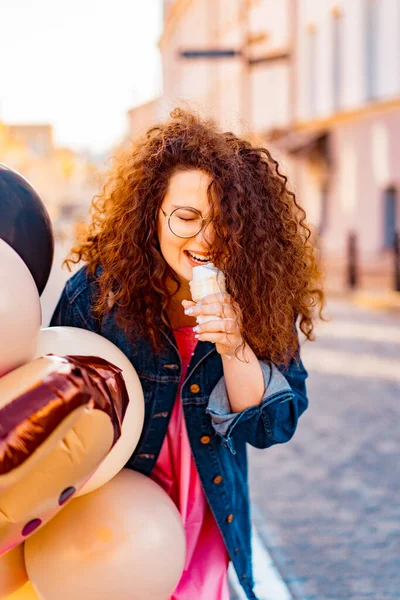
(352,261)
(396,257)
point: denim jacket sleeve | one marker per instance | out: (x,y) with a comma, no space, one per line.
(274,420)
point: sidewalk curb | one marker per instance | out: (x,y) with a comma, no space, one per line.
(377,301)
(268,582)
(386,300)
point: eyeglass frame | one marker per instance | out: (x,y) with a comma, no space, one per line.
(185,237)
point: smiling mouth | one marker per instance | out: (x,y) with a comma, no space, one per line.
(197,258)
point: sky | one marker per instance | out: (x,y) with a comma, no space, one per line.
(79,65)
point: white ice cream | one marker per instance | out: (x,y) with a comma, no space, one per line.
(205,271)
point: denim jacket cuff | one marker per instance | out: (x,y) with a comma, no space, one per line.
(276,387)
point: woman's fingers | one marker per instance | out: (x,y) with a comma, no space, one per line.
(216,338)
(224,330)
(187,303)
(219,297)
(218,326)
(217,309)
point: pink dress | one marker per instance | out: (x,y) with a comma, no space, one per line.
(205,573)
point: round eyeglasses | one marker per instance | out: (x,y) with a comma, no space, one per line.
(185,222)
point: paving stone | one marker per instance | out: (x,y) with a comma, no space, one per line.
(327,503)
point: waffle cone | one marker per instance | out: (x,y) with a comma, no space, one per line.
(205,287)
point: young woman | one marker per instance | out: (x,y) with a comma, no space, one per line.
(184,195)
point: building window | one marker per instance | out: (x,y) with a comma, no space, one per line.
(312,69)
(337,46)
(389,216)
(371,47)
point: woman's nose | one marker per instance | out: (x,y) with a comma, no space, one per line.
(206,235)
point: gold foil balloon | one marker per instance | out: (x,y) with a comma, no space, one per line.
(124,541)
(12,571)
(72,340)
(26,592)
(59,418)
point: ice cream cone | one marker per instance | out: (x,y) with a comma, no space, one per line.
(206,280)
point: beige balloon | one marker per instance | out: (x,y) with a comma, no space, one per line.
(12,571)
(26,592)
(20,312)
(75,341)
(124,541)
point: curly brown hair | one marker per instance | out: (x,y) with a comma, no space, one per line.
(262,242)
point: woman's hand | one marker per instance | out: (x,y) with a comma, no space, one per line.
(224,330)
(244,379)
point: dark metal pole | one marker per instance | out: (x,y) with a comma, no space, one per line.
(352,261)
(396,256)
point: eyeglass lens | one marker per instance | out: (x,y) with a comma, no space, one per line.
(185,222)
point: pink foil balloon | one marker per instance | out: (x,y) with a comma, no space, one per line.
(20,313)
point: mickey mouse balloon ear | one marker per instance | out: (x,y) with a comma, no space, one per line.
(25,224)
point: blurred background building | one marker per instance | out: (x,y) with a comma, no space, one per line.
(318,82)
(65,180)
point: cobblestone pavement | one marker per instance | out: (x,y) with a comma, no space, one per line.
(327,503)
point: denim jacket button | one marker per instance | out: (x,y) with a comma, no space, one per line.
(217,479)
(229,518)
(194,388)
(205,439)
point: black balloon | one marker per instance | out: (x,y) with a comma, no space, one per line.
(25,224)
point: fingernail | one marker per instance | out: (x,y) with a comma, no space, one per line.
(196,329)
(189,311)
(197,336)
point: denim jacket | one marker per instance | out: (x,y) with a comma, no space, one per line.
(217,436)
